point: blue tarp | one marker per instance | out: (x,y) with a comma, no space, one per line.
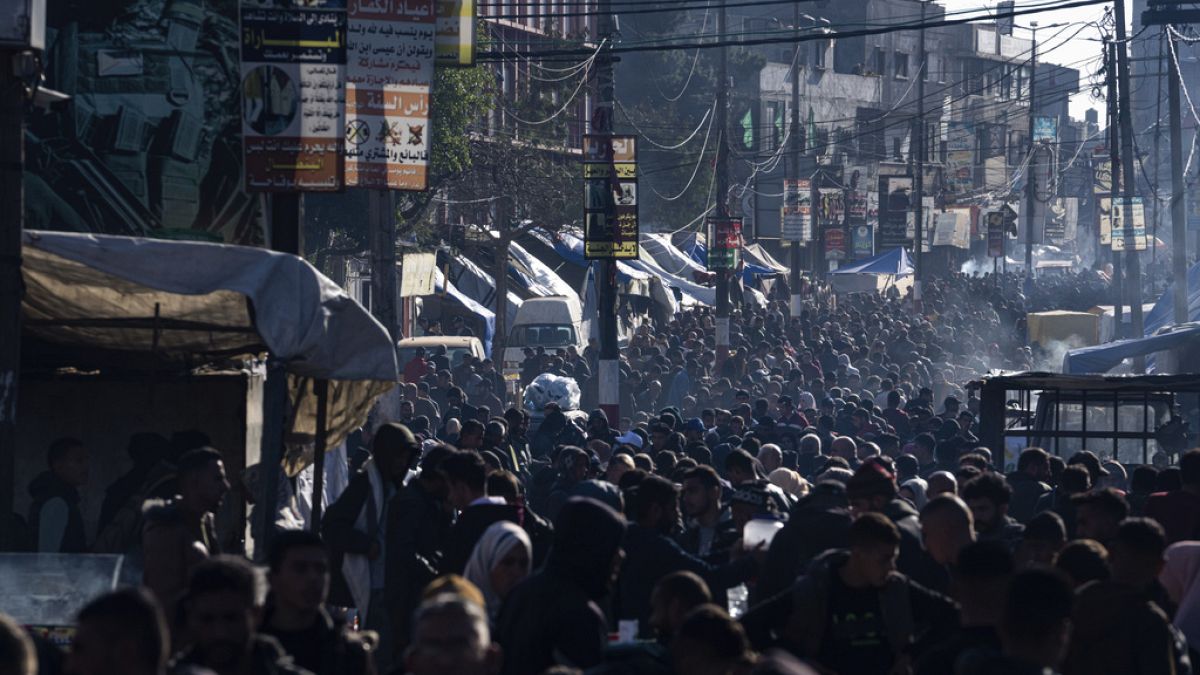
(894,262)
(1163,313)
(1105,357)
(488,316)
(570,249)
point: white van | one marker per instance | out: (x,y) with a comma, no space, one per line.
(553,322)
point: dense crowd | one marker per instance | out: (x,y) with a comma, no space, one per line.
(814,500)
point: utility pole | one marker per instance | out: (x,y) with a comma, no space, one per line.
(13,99)
(918,153)
(609,392)
(1157,149)
(795,150)
(382,220)
(1030,182)
(1125,113)
(1114,156)
(722,182)
(1178,216)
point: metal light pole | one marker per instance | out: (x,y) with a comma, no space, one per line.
(1030,184)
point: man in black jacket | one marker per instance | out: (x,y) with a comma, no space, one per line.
(299,576)
(55,519)
(553,616)
(466,481)
(650,553)
(418,527)
(1028,486)
(872,489)
(356,530)
(819,522)
(223,601)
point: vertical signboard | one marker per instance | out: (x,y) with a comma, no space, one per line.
(292,89)
(995,234)
(895,205)
(1131,237)
(610,194)
(1105,214)
(389,74)
(797,210)
(724,243)
(1045,129)
(862,241)
(454,43)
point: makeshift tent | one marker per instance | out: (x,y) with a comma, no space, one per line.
(1079,328)
(95,301)
(662,260)
(570,248)
(756,254)
(1103,358)
(473,282)
(873,275)
(751,270)
(543,280)
(668,257)
(487,315)
(1163,313)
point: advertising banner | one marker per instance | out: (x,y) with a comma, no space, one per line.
(856,206)
(389,75)
(797,210)
(610,197)
(1105,214)
(1101,176)
(454,43)
(1045,129)
(895,205)
(293,69)
(960,170)
(831,207)
(952,228)
(724,243)
(862,241)
(835,243)
(1129,237)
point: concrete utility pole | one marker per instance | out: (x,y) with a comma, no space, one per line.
(609,391)
(918,153)
(12,199)
(795,149)
(381,217)
(1178,216)
(722,183)
(1114,158)
(1126,121)
(1030,182)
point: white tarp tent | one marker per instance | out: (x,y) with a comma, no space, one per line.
(99,298)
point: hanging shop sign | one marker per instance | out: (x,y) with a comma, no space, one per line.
(995,234)
(610,197)
(389,76)
(895,205)
(293,70)
(454,42)
(862,241)
(835,243)
(1132,236)
(797,210)
(724,243)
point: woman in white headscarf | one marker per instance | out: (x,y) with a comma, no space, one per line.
(1179,578)
(499,562)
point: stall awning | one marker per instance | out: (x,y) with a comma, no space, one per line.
(1105,357)
(1163,313)
(894,262)
(104,301)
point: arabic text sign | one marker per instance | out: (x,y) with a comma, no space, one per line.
(610,194)
(862,241)
(389,64)
(724,243)
(293,76)
(1129,238)
(797,210)
(455,39)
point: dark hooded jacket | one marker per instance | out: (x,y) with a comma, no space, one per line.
(45,490)
(819,522)
(553,616)
(266,658)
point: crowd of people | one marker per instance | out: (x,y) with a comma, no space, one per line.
(813,500)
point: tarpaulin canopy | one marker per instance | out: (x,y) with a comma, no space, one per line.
(570,248)
(107,301)
(543,280)
(756,254)
(488,316)
(473,282)
(1163,313)
(662,260)
(894,262)
(1103,358)
(667,256)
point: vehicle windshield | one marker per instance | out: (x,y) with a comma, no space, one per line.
(542,335)
(456,354)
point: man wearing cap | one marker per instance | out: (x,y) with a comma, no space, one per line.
(873,489)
